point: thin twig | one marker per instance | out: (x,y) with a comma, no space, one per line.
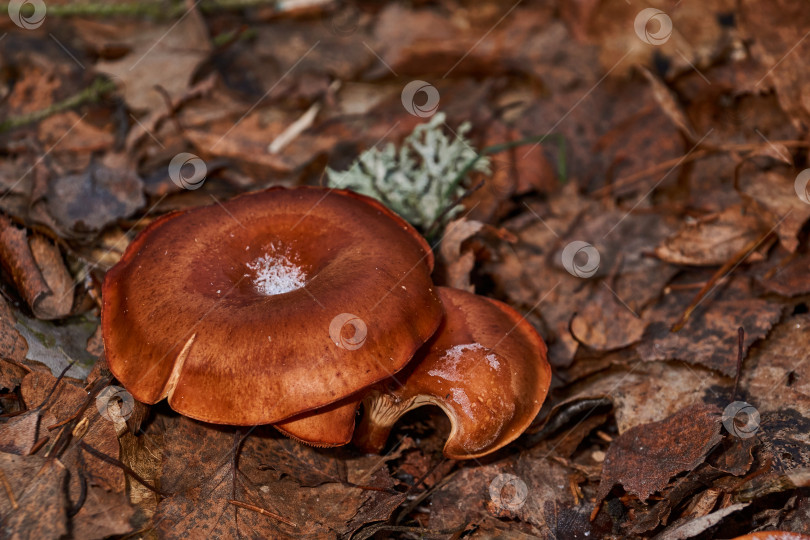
(112,461)
(9,492)
(55,385)
(90,396)
(261,511)
(740,343)
(698,154)
(90,94)
(729,266)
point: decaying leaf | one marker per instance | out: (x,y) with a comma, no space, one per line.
(38,271)
(709,337)
(644,458)
(40,507)
(457,264)
(80,205)
(713,240)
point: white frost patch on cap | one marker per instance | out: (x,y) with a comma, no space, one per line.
(276,274)
(460,397)
(450,360)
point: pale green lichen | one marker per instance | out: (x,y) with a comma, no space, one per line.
(419,180)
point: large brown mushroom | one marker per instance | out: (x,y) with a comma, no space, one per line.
(485,367)
(268,305)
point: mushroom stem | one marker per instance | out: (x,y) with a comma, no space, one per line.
(380,412)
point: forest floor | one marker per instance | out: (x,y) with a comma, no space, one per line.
(672,144)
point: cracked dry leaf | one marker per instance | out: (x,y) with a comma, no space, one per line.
(671,496)
(644,458)
(645,392)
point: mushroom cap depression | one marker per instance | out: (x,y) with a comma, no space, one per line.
(268,305)
(486,367)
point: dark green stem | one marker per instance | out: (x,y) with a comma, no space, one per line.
(91,94)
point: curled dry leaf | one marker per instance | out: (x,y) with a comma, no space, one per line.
(457,265)
(49,260)
(165,54)
(38,271)
(13,348)
(669,104)
(606,323)
(689,527)
(775,195)
(713,240)
(778,43)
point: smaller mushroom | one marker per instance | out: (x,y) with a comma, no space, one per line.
(485,367)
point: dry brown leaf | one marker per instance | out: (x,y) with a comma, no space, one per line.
(65,402)
(775,194)
(605,324)
(669,104)
(79,206)
(778,31)
(48,257)
(159,54)
(38,271)
(38,485)
(202,480)
(713,240)
(457,265)
(709,338)
(791,279)
(644,458)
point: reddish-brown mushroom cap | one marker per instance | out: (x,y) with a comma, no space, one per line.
(268,305)
(485,367)
(332,425)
